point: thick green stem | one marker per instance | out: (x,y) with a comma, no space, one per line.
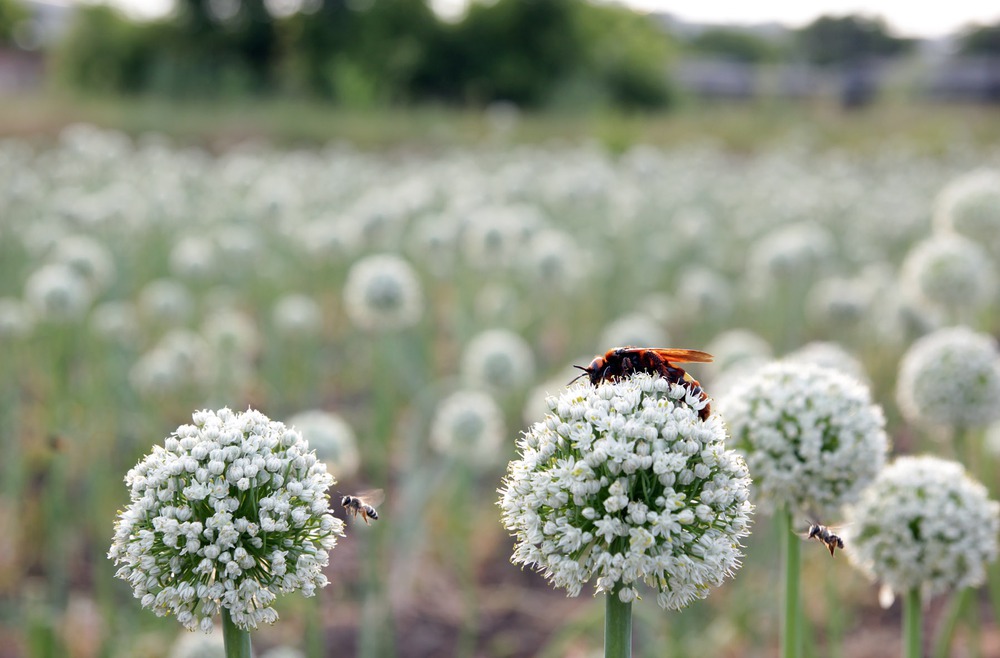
(912,639)
(237,640)
(791,629)
(617,627)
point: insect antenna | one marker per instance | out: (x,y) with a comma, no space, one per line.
(585,372)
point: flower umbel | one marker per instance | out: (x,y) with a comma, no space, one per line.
(924,524)
(812,436)
(624,483)
(230,512)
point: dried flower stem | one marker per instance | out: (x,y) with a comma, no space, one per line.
(617,626)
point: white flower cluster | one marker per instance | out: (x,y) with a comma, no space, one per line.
(970,206)
(923,523)
(382,292)
(230,512)
(625,483)
(812,437)
(950,378)
(468,425)
(949,271)
(498,360)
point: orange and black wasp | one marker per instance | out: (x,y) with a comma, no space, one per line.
(624,361)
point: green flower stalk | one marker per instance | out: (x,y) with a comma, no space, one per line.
(923,527)
(230,512)
(625,485)
(813,440)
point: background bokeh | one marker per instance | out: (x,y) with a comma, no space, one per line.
(397,232)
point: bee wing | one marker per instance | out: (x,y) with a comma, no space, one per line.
(684,356)
(373,497)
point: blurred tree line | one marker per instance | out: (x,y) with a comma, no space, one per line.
(372,52)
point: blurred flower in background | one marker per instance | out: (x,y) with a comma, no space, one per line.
(950,272)
(970,206)
(469,427)
(56,292)
(950,378)
(297,316)
(332,438)
(923,524)
(498,360)
(382,292)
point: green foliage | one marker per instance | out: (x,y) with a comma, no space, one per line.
(103,52)
(735,45)
(362,54)
(12,12)
(840,40)
(980,40)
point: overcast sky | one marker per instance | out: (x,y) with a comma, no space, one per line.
(912,18)
(907,17)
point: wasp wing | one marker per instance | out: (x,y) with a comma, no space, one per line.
(683,356)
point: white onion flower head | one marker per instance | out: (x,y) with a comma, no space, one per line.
(89,258)
(468,425)
(636,328)
(623,484)
(949,271)
(57,292)
(230,512)
(812,436)
(232,332)
(165,301)
(498,360)
(115,321)
(923,523)
(735,346)
(17,319)
(193,257)
(332,438)
(950,378)
(970,206)
(830,355)
(703,293)
(383,293)
(297,315)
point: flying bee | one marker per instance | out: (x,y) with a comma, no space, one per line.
(624,361)
(824,535)
(364,504)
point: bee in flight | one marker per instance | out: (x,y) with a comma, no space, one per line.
(824,535)
(364,504)
(624,361)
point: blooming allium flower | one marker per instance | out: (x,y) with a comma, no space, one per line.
(949,271)
(624,483)
(382,292)
(231,511)
(830,355)
(297,315)
(57,292)
(469,426)
(634,329)
(812,437)
(970,206)
(952,378)
(332,439)
(923,523)
(499,360)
